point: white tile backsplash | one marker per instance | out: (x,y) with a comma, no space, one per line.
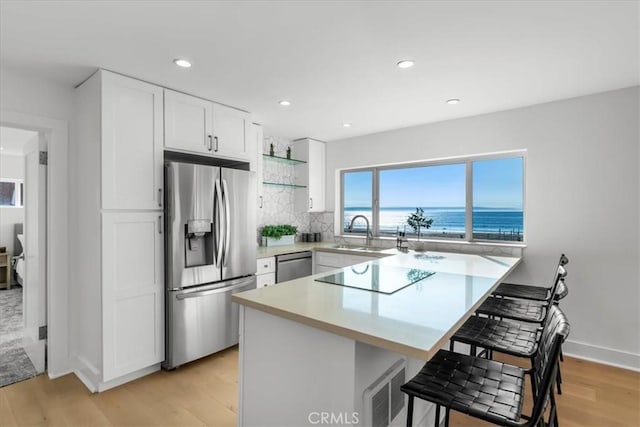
(278,201)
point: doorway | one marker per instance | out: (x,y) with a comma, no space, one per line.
(23,221)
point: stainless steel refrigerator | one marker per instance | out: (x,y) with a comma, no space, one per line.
(210,254)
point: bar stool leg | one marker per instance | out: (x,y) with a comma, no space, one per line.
(446,418)
(410,411)
(436,420)
(559,380)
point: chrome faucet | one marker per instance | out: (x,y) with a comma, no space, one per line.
(369,235)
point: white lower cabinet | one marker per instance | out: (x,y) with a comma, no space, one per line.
(133,292)
(265,272)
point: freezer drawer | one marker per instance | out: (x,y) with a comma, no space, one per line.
(202,320)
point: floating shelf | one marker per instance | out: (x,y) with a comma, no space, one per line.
(283,159)
(282,184)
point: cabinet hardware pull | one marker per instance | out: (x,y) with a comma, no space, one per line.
(261,202)
(216,138)
(160,197)
(310,202)
(210,142)
(159,224)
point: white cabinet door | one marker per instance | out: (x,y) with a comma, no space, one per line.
(263,280)
(266,265)
(257,136)
(187,123)
(132,292)
(310,175)
(131,143)
(230,132)
(317,178)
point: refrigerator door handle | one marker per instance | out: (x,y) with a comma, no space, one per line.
(227,221)
(219,243)
(211,291)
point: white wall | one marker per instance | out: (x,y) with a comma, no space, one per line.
(582,198)
(37,104)
(11,166)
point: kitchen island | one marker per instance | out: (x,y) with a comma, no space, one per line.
(320,353)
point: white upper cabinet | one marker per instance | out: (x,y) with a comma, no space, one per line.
(131,143)
(230,132)
(311,175)
(199,126)
(187,122)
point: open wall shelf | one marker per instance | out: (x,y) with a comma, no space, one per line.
(283,159)
(282,184)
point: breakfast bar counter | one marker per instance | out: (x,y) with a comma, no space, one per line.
(309,347)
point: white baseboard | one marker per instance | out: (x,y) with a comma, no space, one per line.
(604,355)
(53,376)
(103,386)
(90,375)
(87,373)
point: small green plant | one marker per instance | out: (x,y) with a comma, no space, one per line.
(417,221)
(277,231)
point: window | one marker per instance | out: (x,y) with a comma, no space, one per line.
(497,199)
(438,190)
(11,191)
(357,196)
(478,198)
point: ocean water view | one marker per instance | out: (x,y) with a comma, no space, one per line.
(448,222)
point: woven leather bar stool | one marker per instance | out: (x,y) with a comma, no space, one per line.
(518,339)
(489,390)
(530,292)
(523,309)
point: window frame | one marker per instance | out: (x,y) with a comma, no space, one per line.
(468,162)
(19,192)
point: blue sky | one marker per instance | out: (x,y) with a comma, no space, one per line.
(497,183)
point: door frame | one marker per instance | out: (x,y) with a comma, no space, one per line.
(57,259)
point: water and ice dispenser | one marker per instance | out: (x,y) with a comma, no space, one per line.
(198,243)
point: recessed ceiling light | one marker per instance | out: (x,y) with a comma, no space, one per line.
(347,125)
(407,63)
(181,62)
(453,101)
(284,103)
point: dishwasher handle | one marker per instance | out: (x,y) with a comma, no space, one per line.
(293,257)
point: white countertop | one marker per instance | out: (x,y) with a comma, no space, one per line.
(269,251)
(415,321)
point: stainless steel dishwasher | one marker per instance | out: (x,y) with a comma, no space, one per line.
(292,266)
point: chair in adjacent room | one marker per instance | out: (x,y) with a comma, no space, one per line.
(489,390)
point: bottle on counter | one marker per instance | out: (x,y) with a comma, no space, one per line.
(288,152)
(271,150)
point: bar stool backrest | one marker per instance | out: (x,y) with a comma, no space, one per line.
(554,333)
(561,273)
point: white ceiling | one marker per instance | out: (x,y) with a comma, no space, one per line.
(336,60)
(12,140)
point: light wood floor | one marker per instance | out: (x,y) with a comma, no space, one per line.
(205,393)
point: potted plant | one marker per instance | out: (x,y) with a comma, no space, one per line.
(418,220)
(278,235)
